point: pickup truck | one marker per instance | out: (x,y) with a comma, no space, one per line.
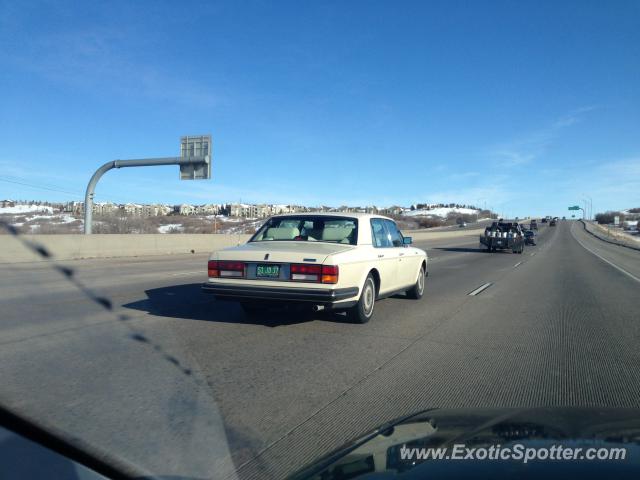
(503,235)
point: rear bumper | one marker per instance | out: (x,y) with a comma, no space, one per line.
(500,243)
(252,292)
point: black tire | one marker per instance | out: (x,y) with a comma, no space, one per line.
(417,291)
(363,310)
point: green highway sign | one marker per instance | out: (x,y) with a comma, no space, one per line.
(575,207)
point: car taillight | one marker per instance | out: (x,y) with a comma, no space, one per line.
(329,274)
(218,269)
(302,272)
(212,269)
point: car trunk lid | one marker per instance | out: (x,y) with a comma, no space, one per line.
(285,251)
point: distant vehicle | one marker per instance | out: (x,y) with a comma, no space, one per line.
(533,225)
(529,237)
(462,225)
(326,261)
(503,235)
(544,220)
(552,223)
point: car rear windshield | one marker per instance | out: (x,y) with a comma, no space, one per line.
(310,229)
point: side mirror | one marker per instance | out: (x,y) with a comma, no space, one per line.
(407,240)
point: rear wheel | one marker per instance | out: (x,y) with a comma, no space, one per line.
(363,310)
(417,291)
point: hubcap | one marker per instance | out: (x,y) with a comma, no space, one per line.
(368,299)
(421,282)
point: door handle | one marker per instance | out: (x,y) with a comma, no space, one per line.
(401,254)
(380,256)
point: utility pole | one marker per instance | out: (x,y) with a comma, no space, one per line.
(590,206)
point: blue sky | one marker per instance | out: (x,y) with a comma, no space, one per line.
(525,106)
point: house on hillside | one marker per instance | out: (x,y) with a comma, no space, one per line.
(103,208)
(208,209)
(185,209)
(133,209)
(243,210)
(74,207)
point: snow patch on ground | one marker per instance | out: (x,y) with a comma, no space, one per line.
(440,212)
(239,219)
(26,209)
(64,218)
(168,227)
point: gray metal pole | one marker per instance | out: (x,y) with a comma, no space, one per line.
(141,162)
(589,207)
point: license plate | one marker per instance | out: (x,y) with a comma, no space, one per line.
(499,242)
(268,271)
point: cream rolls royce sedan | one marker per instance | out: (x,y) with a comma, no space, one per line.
(326,260)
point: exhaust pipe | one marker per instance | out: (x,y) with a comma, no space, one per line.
(318,308)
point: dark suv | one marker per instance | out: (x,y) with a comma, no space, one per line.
(529,237)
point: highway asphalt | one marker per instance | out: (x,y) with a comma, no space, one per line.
(174,381)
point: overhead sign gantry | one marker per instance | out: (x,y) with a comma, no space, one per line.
(195,164)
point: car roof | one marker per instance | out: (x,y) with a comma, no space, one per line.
(358,215)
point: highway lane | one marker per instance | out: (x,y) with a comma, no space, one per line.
(624,258)
(556,327)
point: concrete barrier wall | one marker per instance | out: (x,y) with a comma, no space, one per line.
(68,247)
(420,235)
(611,236)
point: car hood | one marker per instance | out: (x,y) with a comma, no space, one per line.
(377,454)
(288,251)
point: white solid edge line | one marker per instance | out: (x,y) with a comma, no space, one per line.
(630,275)
(480,289)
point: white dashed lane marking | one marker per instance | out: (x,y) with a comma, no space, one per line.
(480,289)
